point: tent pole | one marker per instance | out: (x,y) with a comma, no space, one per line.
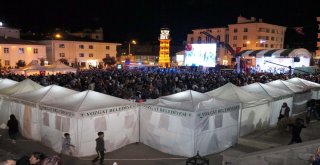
(239,118)
(139,123)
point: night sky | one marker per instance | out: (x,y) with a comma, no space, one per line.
(142,19)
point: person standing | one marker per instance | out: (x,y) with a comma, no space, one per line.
(99,148)
(67,147)
(284,111)
(296,130)
(12,124)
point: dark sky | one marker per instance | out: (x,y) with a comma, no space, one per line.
(124,20)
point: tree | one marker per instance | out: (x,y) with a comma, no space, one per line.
(64,61)
(21,63)
(109,60)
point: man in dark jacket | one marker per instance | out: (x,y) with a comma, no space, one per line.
(296,130)
(99,148)
(13,130)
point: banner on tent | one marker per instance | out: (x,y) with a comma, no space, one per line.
(218,111)
(167,111)
(106,111)
(55,110)
(88,114)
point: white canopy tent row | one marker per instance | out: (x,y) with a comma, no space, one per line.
(28,105)
(6,106)
(85,114)
(4,83)
(278,96)
(314,87)
(255,109)
(187,122)
(301,95)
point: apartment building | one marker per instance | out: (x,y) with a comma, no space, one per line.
(255,34)
(13,50)
(245,34)
(84,53)
(9,32)
(318,41)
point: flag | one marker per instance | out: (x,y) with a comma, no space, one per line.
(299,30)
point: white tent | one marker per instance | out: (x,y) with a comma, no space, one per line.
(6,105)
(279,97)
(255,110)
(187,122)
(300,97)
(315,87)
(59,67)
(4,83)
(32,68)
(28,102)
(83,115)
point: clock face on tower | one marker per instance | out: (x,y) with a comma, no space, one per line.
(164,34)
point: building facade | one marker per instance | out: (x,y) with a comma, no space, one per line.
(13,50)
(318,41)
(245,34)
(80,53)
(9,32)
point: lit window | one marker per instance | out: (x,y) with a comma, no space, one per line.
(35,51)
(6,50)
(245,37)
(61,46)
(81,55)
(21,50)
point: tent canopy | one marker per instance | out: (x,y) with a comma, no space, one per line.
(33,65)
(287,86)
(86,101)
(267,90)
(21,87)
(59,66)
(5,83)
(304,83)
(233,93)
(50,92)
(188,100)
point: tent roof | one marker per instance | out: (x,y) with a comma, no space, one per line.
(59,65)
(267,90)
(190,101)
(86,101)
(234,93)
(21,87)
(287,86)
(50,92)
(4,83)
(304,83)
(33,66)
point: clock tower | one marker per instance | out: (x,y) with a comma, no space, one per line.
(164,52)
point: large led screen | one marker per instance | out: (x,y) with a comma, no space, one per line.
(201,55)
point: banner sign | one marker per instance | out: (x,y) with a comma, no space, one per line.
(167,111)
(55,110)
(218,111)
(106,111)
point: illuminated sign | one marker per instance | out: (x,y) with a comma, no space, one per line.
(201,55)
(164,34)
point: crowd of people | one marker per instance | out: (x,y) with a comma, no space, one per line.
(151,83)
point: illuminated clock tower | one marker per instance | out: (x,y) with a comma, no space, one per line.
(164,52)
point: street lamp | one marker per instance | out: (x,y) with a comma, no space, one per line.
(132,42)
